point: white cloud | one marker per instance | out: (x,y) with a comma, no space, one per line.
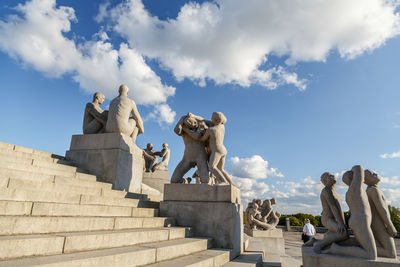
(229,41)
(36,37)
(391,155)
(254,167)
(163,114)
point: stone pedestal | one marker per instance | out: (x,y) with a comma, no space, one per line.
(156,179)
(312,259)
(212,211)
(111,156)
(270,242)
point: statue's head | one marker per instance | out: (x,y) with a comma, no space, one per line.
(328,179)
(190,122)
(149,146)
(123,90)
(273,201)
(277,214)
(218,118)
(165,145)
(347,177)
(371,177)
(99,97)
(258,201)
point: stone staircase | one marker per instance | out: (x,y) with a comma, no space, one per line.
(55,214)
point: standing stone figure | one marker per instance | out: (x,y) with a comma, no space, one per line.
(150,157)
(164,153)
(195,152)
(119,115)
(360,219)
(382,227)
(332,216)
(95,118)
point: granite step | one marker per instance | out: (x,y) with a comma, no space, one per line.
(15,148)
(246,259)
(40,177)
(52,244)
(47,171)
(137,255)
(207,258)
(60,209)
(29,225)
(37,161)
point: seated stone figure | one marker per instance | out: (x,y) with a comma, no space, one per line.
(150,157)
(123,116)
(164,153)
(332,216)
(381,225)
(95,118)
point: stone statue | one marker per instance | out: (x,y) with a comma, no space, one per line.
(260,215)
(332,216)
(150,157)
(95,118)
(164,153)
(195,152)
(360,219)
(382,227)
(119,116)
(214,136)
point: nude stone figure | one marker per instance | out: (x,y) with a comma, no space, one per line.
(260,215)
(360,219)
(165,154)
(95,118)
(195,152)
(119,116)
(332,216)
(150,157)
(215,137)
(382,227)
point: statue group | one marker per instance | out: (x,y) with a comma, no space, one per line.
(151,158)
(369,220)
(261,216)
(204,148)
(122,117)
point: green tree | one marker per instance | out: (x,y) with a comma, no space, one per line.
(395,217)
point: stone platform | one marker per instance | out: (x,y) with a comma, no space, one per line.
(113,157)
(156,179)
(212,211)
(312,259)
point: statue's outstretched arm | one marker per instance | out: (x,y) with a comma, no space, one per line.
(195,135)
(199,118)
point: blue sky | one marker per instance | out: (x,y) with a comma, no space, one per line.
(306,87)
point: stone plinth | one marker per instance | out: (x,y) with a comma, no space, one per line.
(156,179)
(212,211)
(312,259)
(113,157)
(271,242)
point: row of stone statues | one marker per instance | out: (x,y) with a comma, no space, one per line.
(122,117)
(369,220)
(261,216)
(151,158)
(204,148)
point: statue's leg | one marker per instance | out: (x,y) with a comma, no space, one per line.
(221,168)
(202,169)
(133,130)
(183,167)
(214,160)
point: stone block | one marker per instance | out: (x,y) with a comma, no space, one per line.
(277,233)
(108,201)
(112,157)
(36,195)
(15,208)
(6,146)
(201,192)
(156,179)
(311,259)
(211,211)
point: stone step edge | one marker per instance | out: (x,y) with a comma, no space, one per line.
(102,190)
(77,257)
(31,159)
(67,242)
(32,203)
(6,146)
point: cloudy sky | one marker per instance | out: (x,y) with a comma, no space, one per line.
(307,86)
